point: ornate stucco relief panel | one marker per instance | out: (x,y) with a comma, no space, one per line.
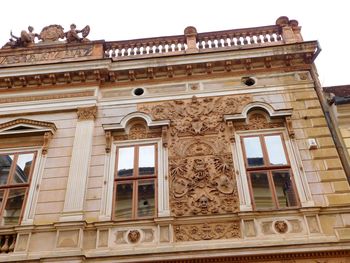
(201,177)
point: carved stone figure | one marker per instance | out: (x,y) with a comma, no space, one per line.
(25,40)
(72,35)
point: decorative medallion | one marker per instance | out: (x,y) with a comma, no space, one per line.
(134,236)
(281,226)
(51,33)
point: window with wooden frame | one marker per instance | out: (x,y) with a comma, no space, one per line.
(269,171)
(16,171)
(135,182)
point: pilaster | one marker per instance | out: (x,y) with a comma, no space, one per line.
(79,166)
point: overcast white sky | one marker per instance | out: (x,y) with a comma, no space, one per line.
(326,21)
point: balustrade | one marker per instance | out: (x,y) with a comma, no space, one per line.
(241,37)
(7,243)
(147,46)
(285,31)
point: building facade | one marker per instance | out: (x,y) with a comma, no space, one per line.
(202,147)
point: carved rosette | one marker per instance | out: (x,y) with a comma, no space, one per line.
(88,113)
(201,177)
(207,231)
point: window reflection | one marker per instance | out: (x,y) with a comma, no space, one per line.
(23,165)
(146,160)
(275,150)
(284,189)
(253,151)
(13,206)
(1,197)
(5,166)
(146,198)
(126,161)
(261,190)
(123,207)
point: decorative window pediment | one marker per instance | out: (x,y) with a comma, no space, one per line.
(266,155)
(135,168)
(136,125)
(26,132)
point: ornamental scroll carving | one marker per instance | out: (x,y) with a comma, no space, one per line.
(207,231)
(201,176)
(257,121)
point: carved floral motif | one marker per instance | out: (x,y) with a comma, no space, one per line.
(207,231)
(88,113)
(201,177)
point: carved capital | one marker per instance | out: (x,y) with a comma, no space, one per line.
(88,113)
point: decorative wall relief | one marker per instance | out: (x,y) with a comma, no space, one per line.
(207,231)
(258,121)
(201,177)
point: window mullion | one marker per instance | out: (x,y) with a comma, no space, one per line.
(273,188)
(12,169)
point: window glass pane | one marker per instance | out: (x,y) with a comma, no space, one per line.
(13,206)
(5,166)
(123,201)
(23,165)
(253,151)
(275,150)
(146,160)
(284,189)
(146,198)
(261,190)
(126,161)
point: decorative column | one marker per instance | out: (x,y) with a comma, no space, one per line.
(79,166)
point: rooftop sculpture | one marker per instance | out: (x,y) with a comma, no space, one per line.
(48,34)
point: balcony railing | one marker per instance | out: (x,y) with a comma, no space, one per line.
(285,31)
(7,243)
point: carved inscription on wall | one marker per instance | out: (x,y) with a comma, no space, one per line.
(202,180)
(70,53)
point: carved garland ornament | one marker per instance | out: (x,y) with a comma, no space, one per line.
(201,176)
(207,231)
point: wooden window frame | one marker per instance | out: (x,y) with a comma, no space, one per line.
(8,186)
(135,179)
(269,169)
